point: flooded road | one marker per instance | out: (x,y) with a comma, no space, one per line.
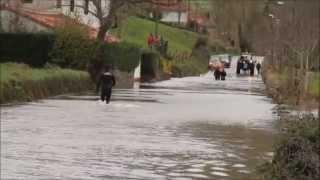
(188,128)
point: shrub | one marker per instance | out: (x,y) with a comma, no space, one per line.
(125,56)
(20,82)
(32,49)
(297,154)
(73,47)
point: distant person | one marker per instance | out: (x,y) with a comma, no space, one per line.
(258,66)
(223,74)
(150,40)
(251,67)
(106,82)
(217,74)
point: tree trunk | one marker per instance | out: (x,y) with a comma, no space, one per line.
(104,27)
(102,33)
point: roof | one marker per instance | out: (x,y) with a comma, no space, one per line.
(52,20)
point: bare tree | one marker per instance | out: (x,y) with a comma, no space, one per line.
(107,14)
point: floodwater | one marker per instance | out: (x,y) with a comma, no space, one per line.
(183,128)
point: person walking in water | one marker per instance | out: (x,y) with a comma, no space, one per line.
(223,74)
(106,82)
(258,66)
(217,74)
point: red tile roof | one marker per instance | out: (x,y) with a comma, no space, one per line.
(52,20)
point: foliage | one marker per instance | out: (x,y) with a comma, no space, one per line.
(32,49)
(125,56)
(297,154)
(314,88)
(72,47)
(188,67)
(19,82)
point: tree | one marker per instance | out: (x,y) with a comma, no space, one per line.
(107,11)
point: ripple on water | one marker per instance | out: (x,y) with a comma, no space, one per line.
(222,174)
(181,178)
(219,169)
(176,174)
(244,171)
(198,165)
(195,170)
(239,165)
(198,176)
(218,163)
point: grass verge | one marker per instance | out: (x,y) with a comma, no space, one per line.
(20,82)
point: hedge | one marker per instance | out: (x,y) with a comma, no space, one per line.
(71,51)
(32,49)
(124,56)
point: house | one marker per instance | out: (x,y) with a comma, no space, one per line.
(52,13)
(64,7)
(171,11)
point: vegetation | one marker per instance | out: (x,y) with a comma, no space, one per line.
(72,47)
(188,67)
(183,58)
(19,82)
(32,49)
(136,30)
(297,154)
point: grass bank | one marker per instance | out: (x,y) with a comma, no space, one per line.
(136,30)
(281,87)
(20,82)
(297,152)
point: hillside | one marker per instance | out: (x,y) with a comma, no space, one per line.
(136,30)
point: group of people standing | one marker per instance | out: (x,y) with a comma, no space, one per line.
(220,74)
(245,65)
(158,43)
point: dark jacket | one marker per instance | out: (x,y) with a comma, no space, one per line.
(258,66)
(106,81)
(223,75)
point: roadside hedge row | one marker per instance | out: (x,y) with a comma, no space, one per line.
(32,49)
(66,48)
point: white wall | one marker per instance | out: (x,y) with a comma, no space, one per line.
(41,4)
(78,13)
(21,23)
(174,17)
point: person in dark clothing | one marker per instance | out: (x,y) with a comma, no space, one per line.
(251,67)
(258,66)
(223,74)
(217,74)
(106,82)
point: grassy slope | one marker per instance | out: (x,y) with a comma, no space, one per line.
(136,30)
(22,83)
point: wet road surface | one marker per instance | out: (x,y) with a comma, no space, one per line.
(187,128)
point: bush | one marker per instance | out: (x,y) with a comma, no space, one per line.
(20,82)
(32,49)
(72,48)
(125,56)
(297,154)
(189,67)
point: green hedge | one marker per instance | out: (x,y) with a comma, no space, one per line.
(32,49)
(125,56)
(67,48)
(19,82)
